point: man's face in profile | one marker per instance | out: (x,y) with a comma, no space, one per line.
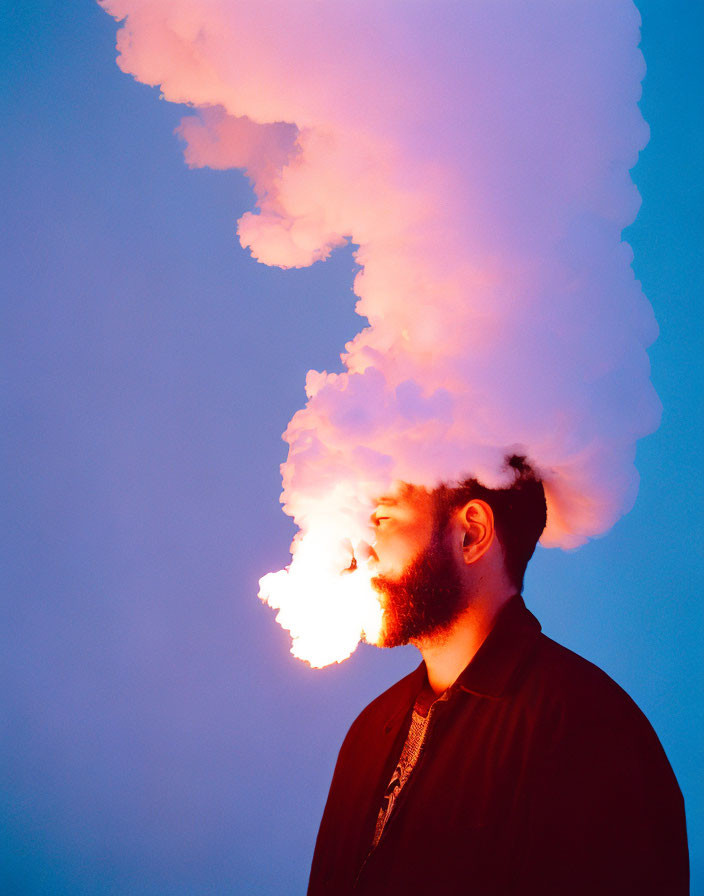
(418,574)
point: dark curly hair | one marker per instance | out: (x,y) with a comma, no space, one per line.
(519,509)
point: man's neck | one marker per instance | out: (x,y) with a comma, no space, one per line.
(446,655)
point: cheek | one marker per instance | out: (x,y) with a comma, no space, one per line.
(396,547)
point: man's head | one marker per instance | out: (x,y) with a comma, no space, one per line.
(437,550)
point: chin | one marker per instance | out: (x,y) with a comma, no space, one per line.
(393,632)
(391,639)
(389,634)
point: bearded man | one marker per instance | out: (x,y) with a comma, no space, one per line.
(505,763)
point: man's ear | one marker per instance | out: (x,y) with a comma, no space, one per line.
(476,521)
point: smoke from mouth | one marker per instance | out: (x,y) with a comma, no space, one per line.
(478,156)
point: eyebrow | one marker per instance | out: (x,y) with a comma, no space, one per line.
(386,501)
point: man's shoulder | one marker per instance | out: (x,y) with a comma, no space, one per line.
(593,734)
(569,676)
(580,695)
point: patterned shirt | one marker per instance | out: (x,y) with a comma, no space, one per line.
(412,748)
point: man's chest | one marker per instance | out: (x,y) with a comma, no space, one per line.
(464,800)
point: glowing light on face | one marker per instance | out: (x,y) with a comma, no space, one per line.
(403,522)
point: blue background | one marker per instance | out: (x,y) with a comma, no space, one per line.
(157,737)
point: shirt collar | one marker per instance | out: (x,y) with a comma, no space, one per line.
(510,642)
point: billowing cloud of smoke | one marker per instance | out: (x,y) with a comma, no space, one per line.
(478,155)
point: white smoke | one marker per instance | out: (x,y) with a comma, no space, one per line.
(478,156)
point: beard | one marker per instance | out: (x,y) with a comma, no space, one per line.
(426,599)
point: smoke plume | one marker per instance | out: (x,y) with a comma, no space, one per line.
(477,155)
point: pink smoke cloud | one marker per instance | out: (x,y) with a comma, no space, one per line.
(478,157)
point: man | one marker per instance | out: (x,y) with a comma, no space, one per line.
(505,763)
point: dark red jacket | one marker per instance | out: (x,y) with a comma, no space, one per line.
(538,776)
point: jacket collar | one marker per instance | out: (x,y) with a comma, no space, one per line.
(491,671)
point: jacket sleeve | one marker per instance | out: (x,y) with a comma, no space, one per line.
(606,814)
(323,864)
(336,855)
